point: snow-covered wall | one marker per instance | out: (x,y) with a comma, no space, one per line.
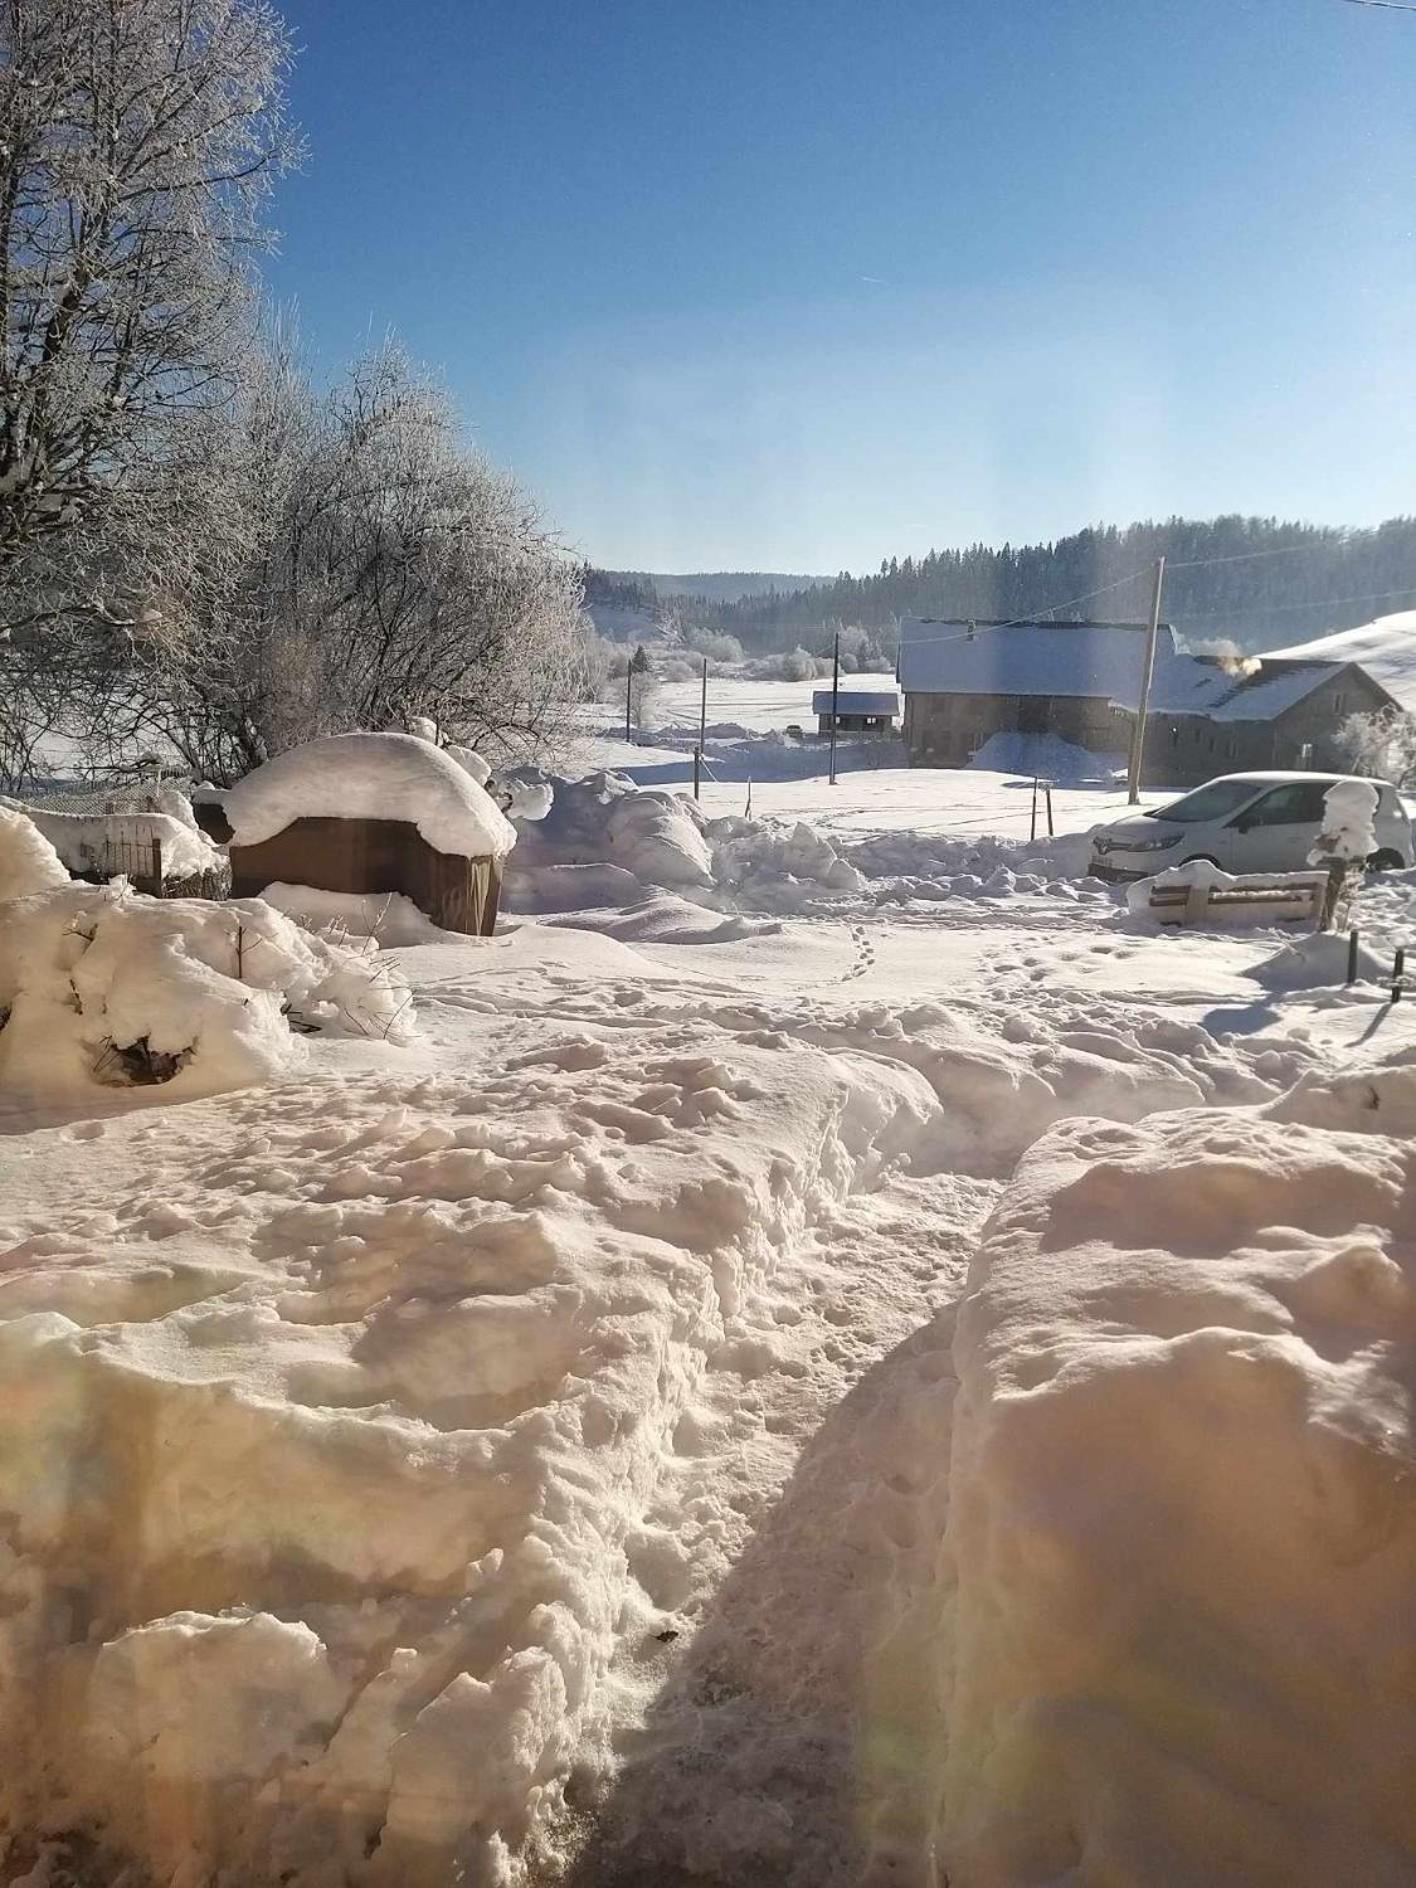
(1183,1507)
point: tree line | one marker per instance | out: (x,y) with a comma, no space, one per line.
(1260,582)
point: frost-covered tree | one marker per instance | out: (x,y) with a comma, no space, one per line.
(137,141)
(377,569)
(1382,744)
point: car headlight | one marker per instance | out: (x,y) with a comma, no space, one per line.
(1146,845)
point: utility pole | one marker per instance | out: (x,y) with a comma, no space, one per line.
(702,728)
(1138,733)
(835,699)
(628,698)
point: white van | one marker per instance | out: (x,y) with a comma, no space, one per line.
(1245,823)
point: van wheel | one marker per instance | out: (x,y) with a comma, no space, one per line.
(1386,861)
(1201,858)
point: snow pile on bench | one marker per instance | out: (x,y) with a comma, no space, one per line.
(1183,1503)
(100,986)
(371,776)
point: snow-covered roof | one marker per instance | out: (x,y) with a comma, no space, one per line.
(857,701)
(1272,690)
(1104,659)
(1201,685)
(371,776)
(1385,648)
(1079,659)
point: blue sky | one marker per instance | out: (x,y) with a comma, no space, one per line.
(797,284)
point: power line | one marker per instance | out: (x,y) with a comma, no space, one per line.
(1289,609)
(1391,6)
(1247,557)
(1022,622)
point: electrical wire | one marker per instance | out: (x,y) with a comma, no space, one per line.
(1289,609)
(1022,622)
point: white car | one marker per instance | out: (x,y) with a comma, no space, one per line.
(1244,823)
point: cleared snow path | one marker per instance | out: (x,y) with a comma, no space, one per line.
(540,1435)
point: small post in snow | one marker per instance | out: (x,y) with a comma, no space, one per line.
(835,699)
(747,810)
(1352,945)
(697,769)
(1398,973)
(1032,824)
(1047,790)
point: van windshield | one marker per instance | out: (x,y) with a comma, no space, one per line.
(1212,801)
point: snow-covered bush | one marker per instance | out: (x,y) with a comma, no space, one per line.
(716,644)
(102,986)
(1382,744)
(1349,831)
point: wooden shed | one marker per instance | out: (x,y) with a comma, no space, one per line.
(369,814)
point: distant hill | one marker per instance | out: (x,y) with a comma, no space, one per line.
(720,586)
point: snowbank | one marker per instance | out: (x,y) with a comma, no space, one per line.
(87,842)
(371,776)
(1182,1507)
(662,839)
(28,861)
(1309,963)
(101,987)
(320,1543)
(1045,757)
(387,917)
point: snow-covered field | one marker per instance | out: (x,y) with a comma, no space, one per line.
(828,1358)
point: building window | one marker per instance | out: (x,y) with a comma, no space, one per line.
(1231,749)
(1339,702)
(1175,734)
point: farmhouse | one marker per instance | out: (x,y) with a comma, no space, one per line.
(857,710)
(964,681)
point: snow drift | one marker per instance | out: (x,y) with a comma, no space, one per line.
(100,986)
(364,1477)
(1182,1507)
(657,838)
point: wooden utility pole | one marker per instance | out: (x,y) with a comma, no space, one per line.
(1138,733)
(835,699)
(628,698)
(702,729)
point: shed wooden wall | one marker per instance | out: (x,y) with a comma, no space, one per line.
(371,856)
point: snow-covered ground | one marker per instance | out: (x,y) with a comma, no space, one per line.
(527,1452)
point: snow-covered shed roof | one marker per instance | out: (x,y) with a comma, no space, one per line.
(371,776)
(857,701)
(1385,649)
(1011,658)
